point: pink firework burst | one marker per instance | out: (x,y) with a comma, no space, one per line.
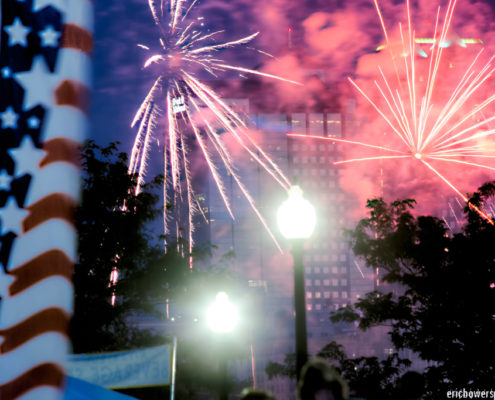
(434,119)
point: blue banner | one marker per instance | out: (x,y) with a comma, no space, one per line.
(123,369)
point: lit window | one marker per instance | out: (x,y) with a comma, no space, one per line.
(316,125)
(309,307)
(334,124)
(317,295)
(309,295)
(299,125)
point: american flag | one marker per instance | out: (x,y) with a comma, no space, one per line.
(45,48)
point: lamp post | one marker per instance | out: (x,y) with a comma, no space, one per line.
(296,219)
(222,318)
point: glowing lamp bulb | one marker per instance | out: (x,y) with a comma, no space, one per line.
(418,156)
(296,216)
(222,315)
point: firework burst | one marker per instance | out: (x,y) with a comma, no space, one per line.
(192,108)
(428,128)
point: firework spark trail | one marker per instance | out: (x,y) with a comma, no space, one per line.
(263,159)
(253,72)
(144,159)
(466,200)
(138,142)
(225,158)
(426,130)
(334,139)
(369,159)
(223,112)
(452,160)
(213,168)
(185,49)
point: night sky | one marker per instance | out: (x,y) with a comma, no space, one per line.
(336,36)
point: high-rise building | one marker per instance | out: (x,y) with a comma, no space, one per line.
(330,269)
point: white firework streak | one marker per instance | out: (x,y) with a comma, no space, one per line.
(184,49)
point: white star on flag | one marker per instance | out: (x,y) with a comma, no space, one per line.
(17,33)
(9,118)
(49,37)
(38,84)
(5,179)
(11,217)
(58,4)
(27,157)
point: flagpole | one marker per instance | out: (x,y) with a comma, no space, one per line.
(173,369)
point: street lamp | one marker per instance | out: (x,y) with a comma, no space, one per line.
(222,318)
(296,219)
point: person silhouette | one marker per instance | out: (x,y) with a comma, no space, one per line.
(321,381)
(256,394)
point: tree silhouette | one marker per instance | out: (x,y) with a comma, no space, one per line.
(443,303)
(112,225)
(439,301)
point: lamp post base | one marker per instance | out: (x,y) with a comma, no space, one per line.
(299,306)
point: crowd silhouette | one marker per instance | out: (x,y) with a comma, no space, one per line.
(321,381)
